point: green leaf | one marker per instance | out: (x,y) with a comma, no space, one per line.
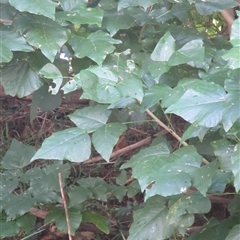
(192,51)
(24,203)
(195,203)
(203,104)
(8,228)
(57,215)
(232,103)
(234,233)
(194,130)
(142,3)
(18,78)
(97,186)
(13,40)
(81,15)
(18,155)
(209,231)
(100,221)
(90,118)
(123,103)
(114,21)
(44,100)
(157,69)
(46,180)
(122,178)
(202,178)
(6,186)
(42,33)
(6,54)
(78,195)
(96,46)
(235,158)
(233,58)
(119,192)
(26,223)
(161,173)
(209,6)
(72,144)
(154,94)
(50,71)
(43,7)
(131,87)
(104,74)
(105,138)
(164,48)
(233,206)
(219,181)
(234,37)
(149,222)
(223,150)
(96,89)
(72,5)
(133,189)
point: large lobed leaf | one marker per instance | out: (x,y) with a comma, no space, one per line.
(150,222)
(43,7)
(42,33)
(160,173)
(18,78)
(96,46)
(90,118)
(11,41)
(203,104)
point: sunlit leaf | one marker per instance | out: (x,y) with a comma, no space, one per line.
(203,105)
(114,21)
(71,144)
(164,49)
(42,33)
(43,7)
(192,51)
(96,46)
(90,118)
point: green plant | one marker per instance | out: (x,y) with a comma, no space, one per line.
(134,60)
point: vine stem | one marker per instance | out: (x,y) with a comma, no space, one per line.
(65,206)
(175,135)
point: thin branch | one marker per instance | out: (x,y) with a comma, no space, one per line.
(6,21)
(161,124)
(120,151)
(65,206)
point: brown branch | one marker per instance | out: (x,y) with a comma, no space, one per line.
(193,229)
(6,21)
(228,15)
(65,206)
(120,151)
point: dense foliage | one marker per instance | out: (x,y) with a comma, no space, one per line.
(134,60)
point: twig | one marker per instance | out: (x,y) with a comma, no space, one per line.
(120,151)
(161,124)
(65,205)
(6,21)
